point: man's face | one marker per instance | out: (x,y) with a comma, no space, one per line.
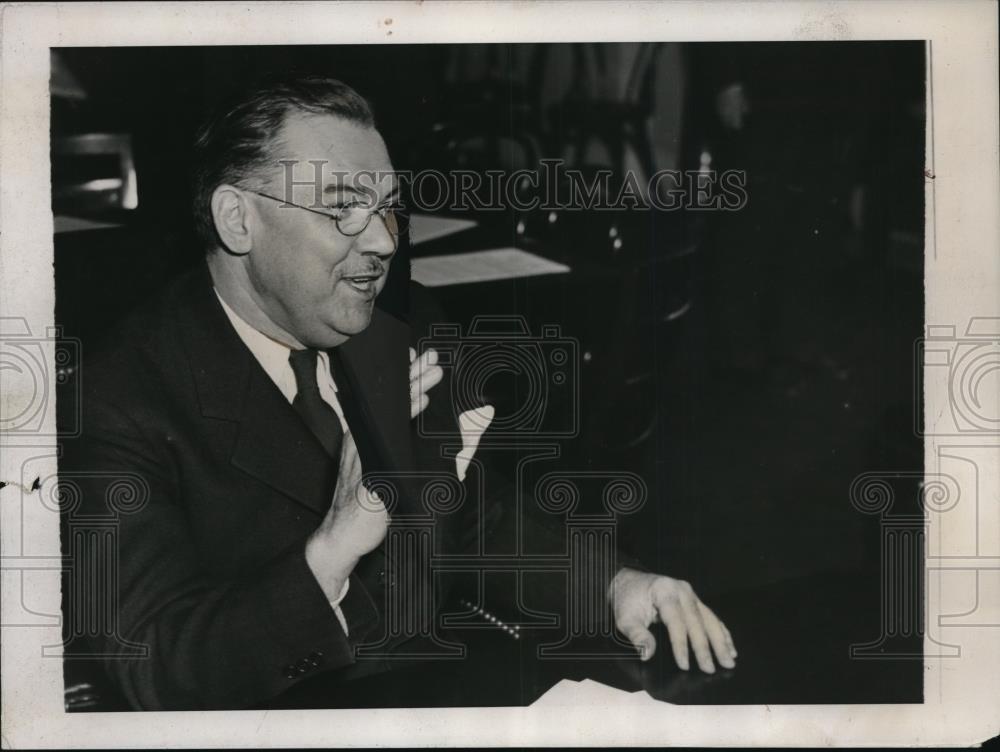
(316,283)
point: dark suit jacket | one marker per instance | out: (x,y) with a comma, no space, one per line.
(208,572)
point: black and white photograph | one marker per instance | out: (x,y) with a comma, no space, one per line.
(602,374)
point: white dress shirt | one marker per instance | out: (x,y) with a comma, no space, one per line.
(273,358)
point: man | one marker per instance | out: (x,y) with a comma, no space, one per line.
(246,405)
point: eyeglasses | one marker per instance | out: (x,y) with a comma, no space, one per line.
(354,220)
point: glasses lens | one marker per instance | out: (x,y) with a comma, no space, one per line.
(353,220)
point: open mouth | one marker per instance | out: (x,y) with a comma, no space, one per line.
(362,283)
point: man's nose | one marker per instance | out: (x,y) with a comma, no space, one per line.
(376,239)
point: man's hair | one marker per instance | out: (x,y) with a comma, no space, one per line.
(234,146)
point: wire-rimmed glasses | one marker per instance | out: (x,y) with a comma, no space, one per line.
(353,220)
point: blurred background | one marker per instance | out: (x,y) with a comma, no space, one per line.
(749,365)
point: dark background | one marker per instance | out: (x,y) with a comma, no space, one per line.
(788,371)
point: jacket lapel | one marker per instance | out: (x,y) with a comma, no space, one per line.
(273,444)
(276,447)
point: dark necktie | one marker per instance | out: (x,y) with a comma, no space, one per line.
(318,415)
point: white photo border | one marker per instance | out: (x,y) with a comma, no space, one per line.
(961,283)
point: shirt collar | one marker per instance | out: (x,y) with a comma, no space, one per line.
(271,354)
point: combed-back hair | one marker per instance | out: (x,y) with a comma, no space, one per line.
(234,146)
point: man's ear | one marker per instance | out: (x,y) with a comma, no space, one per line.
(231,214)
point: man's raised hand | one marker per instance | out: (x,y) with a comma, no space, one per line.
(355,524)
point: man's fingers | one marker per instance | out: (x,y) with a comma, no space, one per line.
(348,452)
(729,639)
(427,378)
(432,377)
(425,373)
(641,637)
(419,405)
(676,628)
(349,479)
(350,460)
(421,367)
(716,635)
(427,358)
(696,632)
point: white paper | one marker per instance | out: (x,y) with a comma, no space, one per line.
(573,693)
(427,227)
(481,266)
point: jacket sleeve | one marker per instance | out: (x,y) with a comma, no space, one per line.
(170,635)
